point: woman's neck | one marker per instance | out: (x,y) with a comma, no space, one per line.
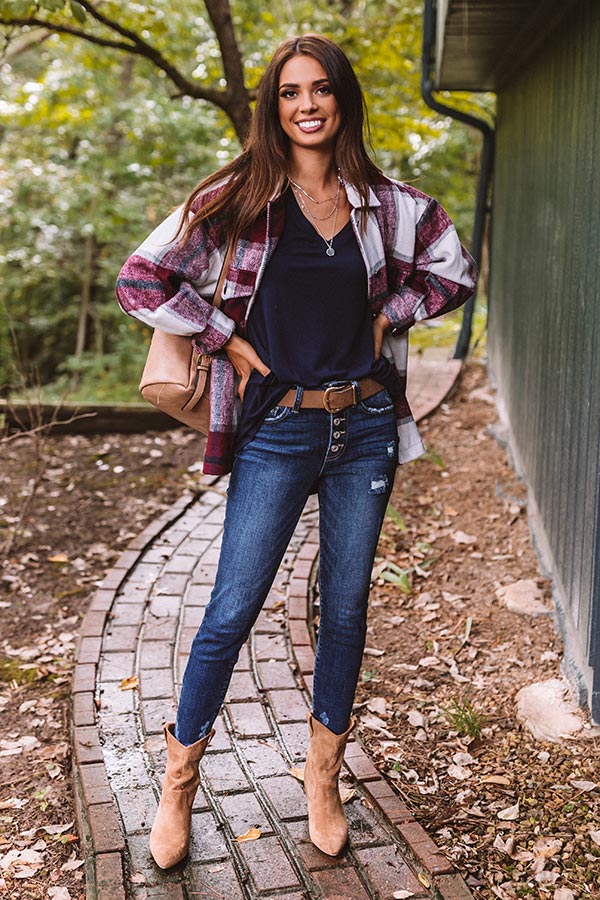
(316,172)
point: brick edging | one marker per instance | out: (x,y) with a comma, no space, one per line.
(103,842)
(379,791)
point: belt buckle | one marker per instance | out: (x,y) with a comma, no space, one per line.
(335,389)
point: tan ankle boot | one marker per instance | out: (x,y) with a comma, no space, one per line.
(327,824)
(170,835)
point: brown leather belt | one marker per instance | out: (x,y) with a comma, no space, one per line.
(334,398)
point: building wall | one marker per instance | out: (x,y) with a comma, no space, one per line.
(545,311)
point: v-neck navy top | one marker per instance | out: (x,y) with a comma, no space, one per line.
(310,322)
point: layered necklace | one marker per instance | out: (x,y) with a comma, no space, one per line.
(300,194)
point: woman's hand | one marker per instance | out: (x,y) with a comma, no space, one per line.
(244,358)
(380,325)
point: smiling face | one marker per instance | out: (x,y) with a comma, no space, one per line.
(308,112)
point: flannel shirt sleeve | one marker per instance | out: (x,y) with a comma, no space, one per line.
(160,284)
(443,275)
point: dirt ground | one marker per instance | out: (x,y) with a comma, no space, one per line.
(520,817)
(437,701)
(68,506)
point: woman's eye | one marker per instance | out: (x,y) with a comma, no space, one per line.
(287,94)
(324,89)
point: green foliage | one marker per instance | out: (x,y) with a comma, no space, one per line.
(393,574)
(464,718)
(98,146)
(393,514)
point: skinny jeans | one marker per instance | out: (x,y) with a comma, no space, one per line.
(349,458)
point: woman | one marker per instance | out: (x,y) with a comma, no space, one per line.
(332,262)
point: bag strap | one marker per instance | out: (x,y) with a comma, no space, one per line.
(217,299)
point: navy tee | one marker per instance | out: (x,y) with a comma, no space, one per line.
(310,322)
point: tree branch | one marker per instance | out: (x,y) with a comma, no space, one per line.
(234,100)
(139,48)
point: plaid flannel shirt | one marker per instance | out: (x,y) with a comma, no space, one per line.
(416,268)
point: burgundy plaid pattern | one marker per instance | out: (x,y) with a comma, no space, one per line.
(416,267)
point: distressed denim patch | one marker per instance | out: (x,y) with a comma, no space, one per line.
(379,485)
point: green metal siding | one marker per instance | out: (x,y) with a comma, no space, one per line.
(545,300)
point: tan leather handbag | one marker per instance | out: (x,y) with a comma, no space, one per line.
(175,378)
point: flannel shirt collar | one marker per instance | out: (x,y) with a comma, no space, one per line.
(354,198)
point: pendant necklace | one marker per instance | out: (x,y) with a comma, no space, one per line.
(335,199)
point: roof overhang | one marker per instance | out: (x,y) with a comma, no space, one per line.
(481,43)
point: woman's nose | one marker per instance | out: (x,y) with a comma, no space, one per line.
(308,102)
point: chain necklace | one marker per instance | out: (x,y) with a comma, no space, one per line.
(334,200)
(318,202)
(328,242)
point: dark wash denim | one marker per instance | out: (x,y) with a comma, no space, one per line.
(349,458)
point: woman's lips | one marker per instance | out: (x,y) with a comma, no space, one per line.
(310,125)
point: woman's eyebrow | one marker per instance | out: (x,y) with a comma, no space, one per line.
(290,85)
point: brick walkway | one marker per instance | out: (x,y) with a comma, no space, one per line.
(141,623)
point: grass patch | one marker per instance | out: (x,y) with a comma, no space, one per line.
(11,671)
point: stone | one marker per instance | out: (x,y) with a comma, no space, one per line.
(548,711)
(523,597)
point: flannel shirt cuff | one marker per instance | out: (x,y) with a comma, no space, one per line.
(400,309)
(215,334)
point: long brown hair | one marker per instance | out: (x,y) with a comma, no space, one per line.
(260,171)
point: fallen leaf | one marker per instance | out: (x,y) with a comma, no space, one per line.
(496,779)
(402,895)
(297,773)
(24,858)
(59,558)
(584,785)
(544,849)
(347,793)
(510,814)
(429,661)
(374,723)
(138,878)
(59,893)
(461,773)
(131,683)
(547,877)
(58,829)
(461,537)
(595,836)
(416,718)
(424,879)
(378,705)
(14,803)
(462,759)
(72,864)
(251,835)
(25,872)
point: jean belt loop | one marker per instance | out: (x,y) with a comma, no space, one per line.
(298,400)
(356,385)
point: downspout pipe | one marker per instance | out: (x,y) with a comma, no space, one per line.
(487,162)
